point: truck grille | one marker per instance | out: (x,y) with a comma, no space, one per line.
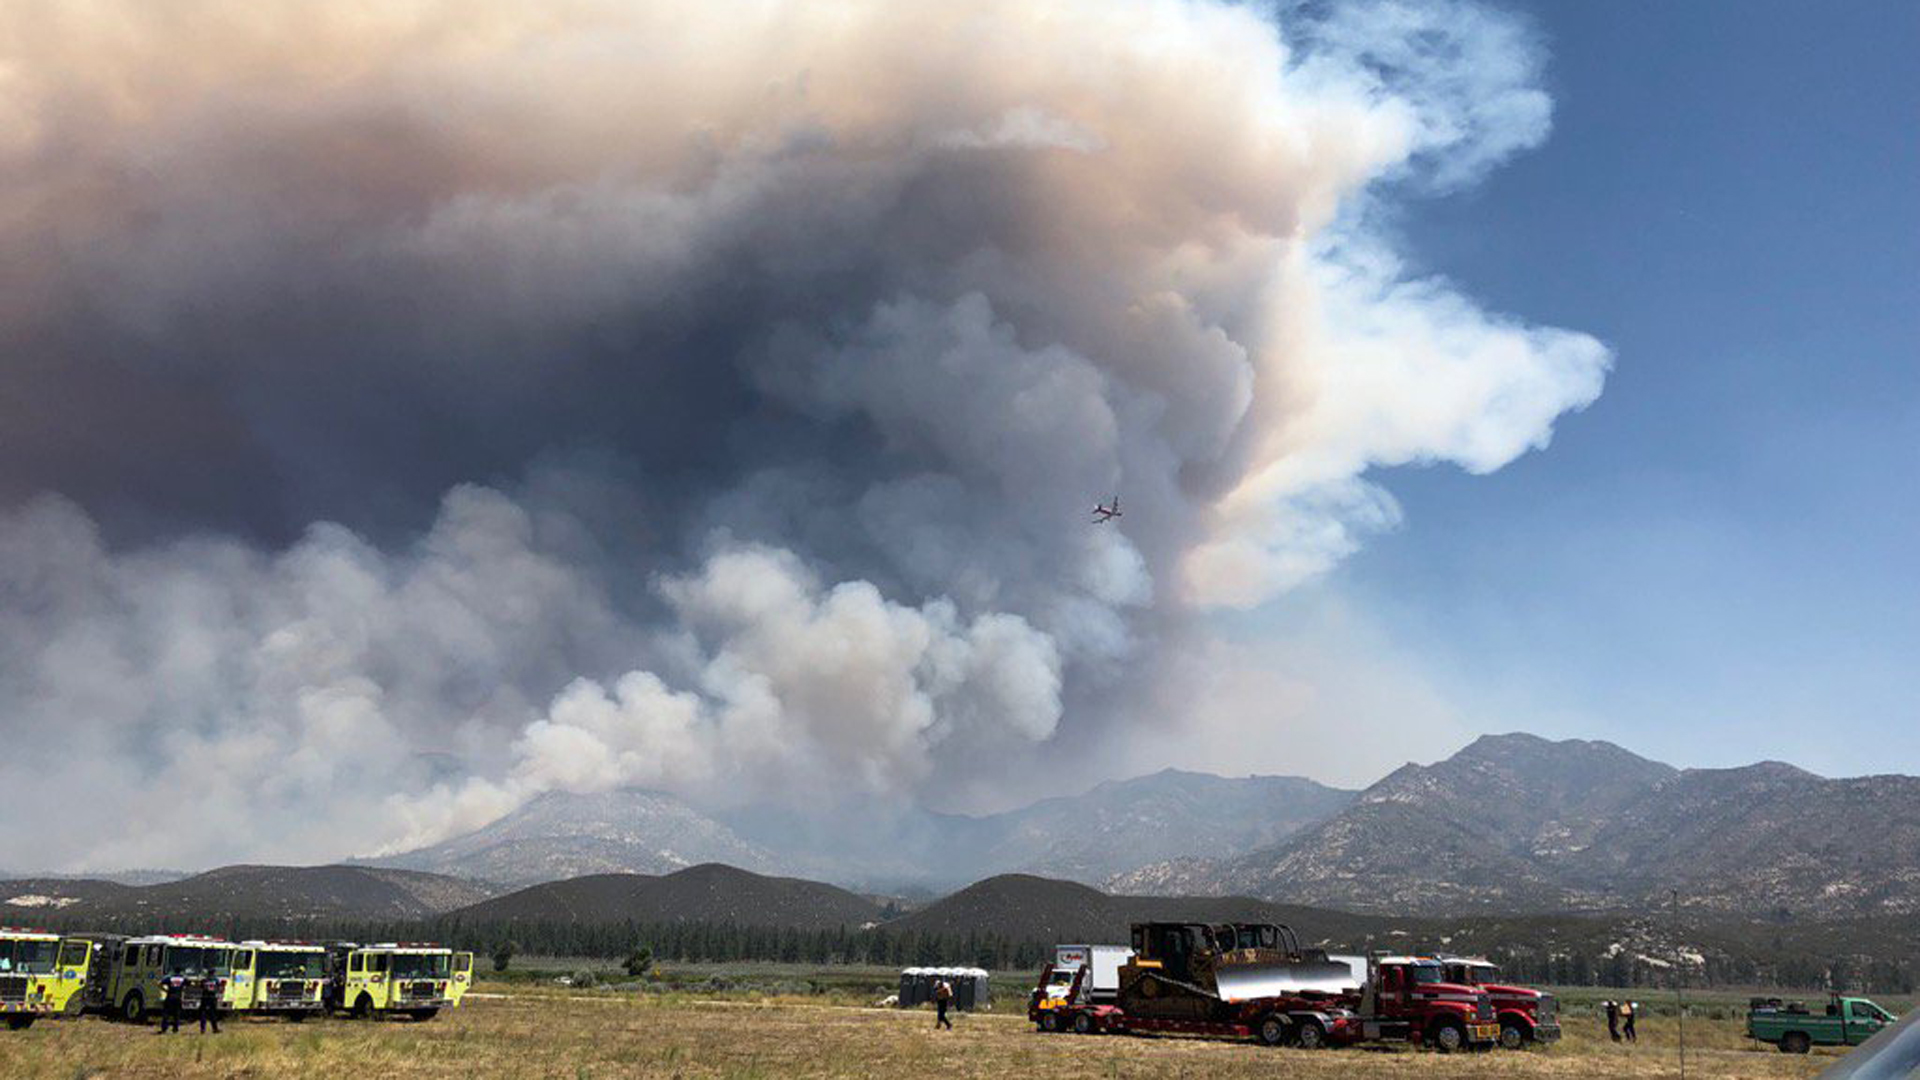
(418,990)
(1483,1011)
(13,988)
(289,990)
(1548,1007)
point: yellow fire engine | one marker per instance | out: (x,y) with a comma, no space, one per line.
(40,975)
(415,978)
(285,978)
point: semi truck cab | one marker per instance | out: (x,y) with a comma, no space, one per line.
(1410,997)
(1526,1015)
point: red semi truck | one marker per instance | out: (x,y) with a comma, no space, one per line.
(1526,1015)
(1253,981)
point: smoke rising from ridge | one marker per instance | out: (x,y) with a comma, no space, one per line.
(415,407)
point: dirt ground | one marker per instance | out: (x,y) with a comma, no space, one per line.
(546,1034)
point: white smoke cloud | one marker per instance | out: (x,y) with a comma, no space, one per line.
(792,341)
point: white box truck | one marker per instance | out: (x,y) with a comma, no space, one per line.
(1102,963)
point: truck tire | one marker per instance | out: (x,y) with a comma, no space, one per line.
(19,1023)
(1083,1024)
(424,1014)
(1274,1030)
(1309,1035)
(1795,1042)
(1513,1036)
(1448,1036)
(363,1007)
(134,1009)
(1049,1021)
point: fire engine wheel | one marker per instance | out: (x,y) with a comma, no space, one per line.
(363,1008)
(1083,1024)
(134,1009)
(296,1016)
(1795,1042)
(1049,1022)
(1513,1037)
(1448,1037)
(1310,1036)
(19,1023)
(424,1014)
(1274,1030)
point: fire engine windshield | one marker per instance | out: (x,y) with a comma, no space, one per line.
(27,957)
(290,965)
(1425,973)
(422,965)
(196,960)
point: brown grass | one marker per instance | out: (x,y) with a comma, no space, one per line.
(547,1035)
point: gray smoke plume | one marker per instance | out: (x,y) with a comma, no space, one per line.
(416,407)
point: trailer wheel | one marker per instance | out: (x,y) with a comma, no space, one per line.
(1083,1024)
(1795,1042)
(1049,1021)
(1310,1036)
(1274,1030)
(134,1009)
(1512,1036)
(1448,1036)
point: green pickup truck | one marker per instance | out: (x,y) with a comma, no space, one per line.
(1846,1021)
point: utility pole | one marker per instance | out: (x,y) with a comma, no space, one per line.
(1679,1000)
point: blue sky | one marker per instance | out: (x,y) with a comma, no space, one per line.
(1716,563)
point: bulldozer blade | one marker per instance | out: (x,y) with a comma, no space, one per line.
(1244,982)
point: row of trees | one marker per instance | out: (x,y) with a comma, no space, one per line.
(1784,970)
(727,943)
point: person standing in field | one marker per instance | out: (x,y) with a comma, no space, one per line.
(942,997)
(1613,1019)
(1627,1013)
(172,989)
(210,1003)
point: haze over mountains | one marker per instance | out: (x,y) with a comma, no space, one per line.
(1512,824)
(1515,823)
(1115,827)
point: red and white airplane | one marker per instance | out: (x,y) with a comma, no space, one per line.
(1103,513)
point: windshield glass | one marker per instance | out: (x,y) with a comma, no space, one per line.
(27,957)
(289,965)
(196,960)
(1425,973)
(422,965)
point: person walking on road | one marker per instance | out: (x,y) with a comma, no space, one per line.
(1627,1012)
(210,1003)
(172,989)
(1613,1019)
(942,997)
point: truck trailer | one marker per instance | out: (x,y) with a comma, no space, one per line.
(1253,980)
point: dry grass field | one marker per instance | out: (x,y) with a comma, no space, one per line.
(548,1033)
